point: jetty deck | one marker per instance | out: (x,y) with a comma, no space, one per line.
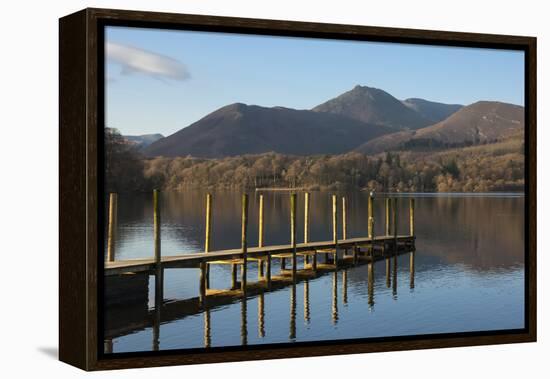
(193,260)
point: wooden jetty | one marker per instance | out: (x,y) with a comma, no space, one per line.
(120,274)
(240,257)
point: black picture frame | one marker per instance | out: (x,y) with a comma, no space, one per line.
(81,185)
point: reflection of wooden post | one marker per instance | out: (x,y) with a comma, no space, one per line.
(344,221)
(293,233)
(411,217)
(411,269)
(156,225)
(159,297)
(335,228)
(370,284)
(388,280)
(306,301)
(261,235)
(112,227)
(335,297)
(244,323)
(261,315)
(345,286)
(208,228)
(394,277)
(370,225)
(388,206)
(292,332)
(306,222)
(244,228)
(207,329)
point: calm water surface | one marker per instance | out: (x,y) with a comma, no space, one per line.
(468,273)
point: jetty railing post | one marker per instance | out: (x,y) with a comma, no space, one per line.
(370,226)
(207,237)
(261,235)
(370,212)
(306,222)
(156,225)
(159,280)
(268,270)
(244,227)
(344,220)
(394,211)
(111,242)
(335,228)
(388,206)
(293,233)
(411,217)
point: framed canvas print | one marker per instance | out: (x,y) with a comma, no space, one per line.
(238,189)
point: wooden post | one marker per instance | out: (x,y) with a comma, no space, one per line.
(344,221)
(370,213)
(335,228)
(156,225)
(244,228)
(112,227)
(306,217)
(208,222)
(233,276)
(388,207)
(293,233)
(261,235)
(207,238)
(411,217)
(306,223)
(202,283)
(394,211)
(268,271)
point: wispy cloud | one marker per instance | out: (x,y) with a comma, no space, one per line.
(134,60)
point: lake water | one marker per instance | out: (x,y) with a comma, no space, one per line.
(467,274)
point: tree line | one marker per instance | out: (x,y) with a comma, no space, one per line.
(472,169)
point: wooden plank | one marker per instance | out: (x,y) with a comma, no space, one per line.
(193,260)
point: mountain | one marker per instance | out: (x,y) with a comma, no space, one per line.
(375,106)
(143,140)
(431,110)
(478,123)
(239,129)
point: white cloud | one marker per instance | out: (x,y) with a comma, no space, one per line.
(134,60)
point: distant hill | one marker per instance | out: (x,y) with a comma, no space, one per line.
(478,123)
(143,140)
(431,110)
(239,129)
(375,106)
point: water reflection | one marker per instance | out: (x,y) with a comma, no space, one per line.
(468,261)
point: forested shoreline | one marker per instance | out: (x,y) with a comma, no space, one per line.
(485,168)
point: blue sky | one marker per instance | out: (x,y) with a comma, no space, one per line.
(159,81)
